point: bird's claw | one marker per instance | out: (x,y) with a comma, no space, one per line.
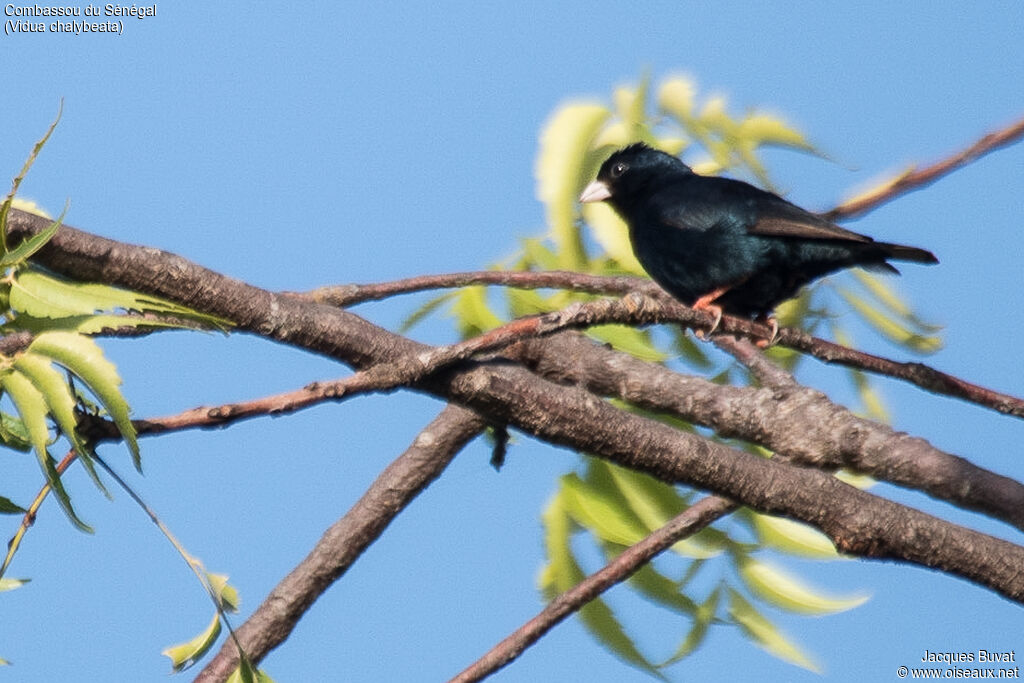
(773,323)
(717,312)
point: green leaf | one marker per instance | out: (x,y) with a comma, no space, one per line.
(42,295)
(13,433)
(186,654)
(245,674)
(655,503)
(704,617)
(784,590)
(631,107)
(11,584)
(611,233)
(629,340)
(662,590)
(676,97)
(32,244)
(33,411)
(561,572)
(86,324)
(5,207)
(599,619)
(473,313)
(890,328)
(598,508)
(83,357)
(421,312)
(9,507)
(61,403)
(765,634)
(794,538)
(759,129)
(562,171)
(523,302)
(227,595)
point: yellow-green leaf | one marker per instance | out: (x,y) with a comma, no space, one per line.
(765,634)
(561,572)
(5,207)
(758,129)
(186,654)
(890,328)
(43,295)
(785,590)
(795,538)
(11,584)
(61,403)
(32,408)
(245,674)
(561,172)
(473,313)
(655,503)
(598,509)
(84,358)
(629,340)
(660,589)
(703,618)
(227,595)
(676,97)
(32,244)
(612,234)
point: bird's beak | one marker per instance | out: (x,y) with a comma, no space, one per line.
(596,191)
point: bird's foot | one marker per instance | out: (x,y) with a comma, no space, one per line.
(717,312)
(705,303)
(772,322)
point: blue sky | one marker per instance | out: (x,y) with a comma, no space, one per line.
(295,146)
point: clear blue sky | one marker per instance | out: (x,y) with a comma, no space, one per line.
(296,145)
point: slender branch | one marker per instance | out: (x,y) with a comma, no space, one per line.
(685,524)
(663,308)
(915,178)
(343,543)
(349,295)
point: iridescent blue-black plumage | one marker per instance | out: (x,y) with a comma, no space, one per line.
(701,235)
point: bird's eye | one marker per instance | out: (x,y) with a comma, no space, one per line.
(618,169)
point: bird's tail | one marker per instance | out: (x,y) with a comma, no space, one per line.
(902,252)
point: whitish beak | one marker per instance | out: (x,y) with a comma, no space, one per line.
(596,191)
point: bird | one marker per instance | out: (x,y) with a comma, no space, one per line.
(723,245)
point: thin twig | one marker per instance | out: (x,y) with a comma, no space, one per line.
(915,179)
(349,295)
(663,308)
(687,523)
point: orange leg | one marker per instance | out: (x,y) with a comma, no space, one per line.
(773,323)
(705,303)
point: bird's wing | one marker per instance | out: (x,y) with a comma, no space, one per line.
(781,219)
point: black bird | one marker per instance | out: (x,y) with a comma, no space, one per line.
(724,245)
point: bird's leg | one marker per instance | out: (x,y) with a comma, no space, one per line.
(772,322)
(705,303)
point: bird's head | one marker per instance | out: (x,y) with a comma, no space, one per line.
(631,173)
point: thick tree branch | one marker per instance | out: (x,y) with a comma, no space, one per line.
(686,523)
(787,418)
(343,543)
